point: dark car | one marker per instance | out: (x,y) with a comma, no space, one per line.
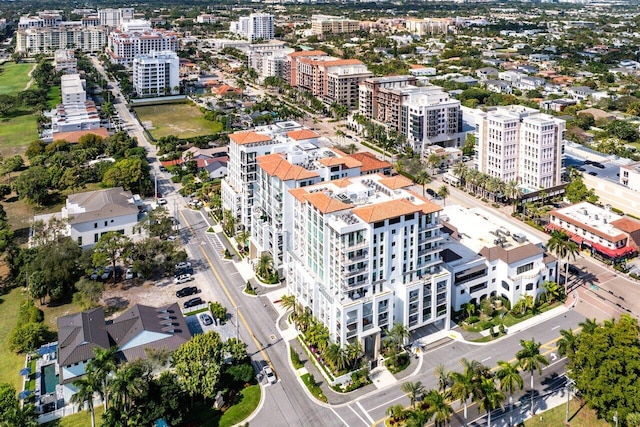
(581,169)
(574,270)
(588,162)
(185,292)
(598,165)
(193,302)
(431,192)
(182,271)
(593,173)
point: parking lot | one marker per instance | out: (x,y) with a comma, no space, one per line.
(600,169)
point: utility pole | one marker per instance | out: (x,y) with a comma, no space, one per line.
(237,322)
(566,414)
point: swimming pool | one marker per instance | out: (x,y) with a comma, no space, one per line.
(49,378)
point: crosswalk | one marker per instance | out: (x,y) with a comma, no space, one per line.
(217,245)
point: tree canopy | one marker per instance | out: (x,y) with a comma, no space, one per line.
(197,364)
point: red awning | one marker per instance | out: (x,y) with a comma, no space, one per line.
(613,253)
(576,238)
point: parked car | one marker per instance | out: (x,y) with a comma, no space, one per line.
(431,192)
(206,319)
(163,169)
(183,271)
(269,375)
(107,273)
(162,201)
(129,274)
(193,302)
(593,173)
(183,278)
(185,292)
(184,264)
(598,165)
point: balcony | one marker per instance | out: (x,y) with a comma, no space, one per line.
(351,272)
(345,247)
(347,260)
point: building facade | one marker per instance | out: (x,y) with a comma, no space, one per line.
(629,176)
(257,26)
(156,74)
(47,40)
(365,254)
(324,24)
(269,59)
(124,46)
(114,18)
(517,143)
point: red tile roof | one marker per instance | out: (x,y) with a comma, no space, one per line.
(75,136)
(250,137)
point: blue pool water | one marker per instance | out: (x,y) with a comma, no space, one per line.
(49,379)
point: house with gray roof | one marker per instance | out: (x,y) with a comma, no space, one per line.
(138,328)
(93,213)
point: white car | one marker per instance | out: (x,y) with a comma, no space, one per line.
(172,238)
(269,375)
(183,264)
(129,274)
(183,278)
(162,201)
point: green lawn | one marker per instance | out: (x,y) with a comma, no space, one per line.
(181,120)
(241,410)
(14,77)
(81,419)
(17,132)
(55,96)
(11,362)
(579,415)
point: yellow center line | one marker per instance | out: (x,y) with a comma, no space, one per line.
(231,299)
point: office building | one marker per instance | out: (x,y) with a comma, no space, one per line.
(365,253)
(516,143)
(325,24)
(156,74)
(257,26)
(114,18)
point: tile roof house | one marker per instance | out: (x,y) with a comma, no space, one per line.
(138,328)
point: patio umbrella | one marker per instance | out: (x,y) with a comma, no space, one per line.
(25,371)
(24,394)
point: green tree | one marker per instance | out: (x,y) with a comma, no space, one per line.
(443,192)
(197,364)
(443,376)
(88,293)
(6,103)
(264,266)
(577,192)
(417,418)
(130,173)
(11,415)
(465,384)
(568,342)
(490,397)
(423,178)
(510,381)
(12,164)
(397,336)
(84,394)
(158,223)
(413,390)
(436,404)
(563,249)
(111,247)
(433,160)
(553,291)
(33,185)
(28,337)
(129,382)
(99,368)
(530,360)
(229,223)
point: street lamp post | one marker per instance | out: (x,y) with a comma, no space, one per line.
(237,322)
(570,383)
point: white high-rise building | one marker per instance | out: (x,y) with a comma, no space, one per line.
(126,45)
(255,26)
(47,40)
(516,143)
(115,17)
(156,74)
(365,253)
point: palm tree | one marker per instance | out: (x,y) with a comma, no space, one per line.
(464,384)
(443,192)
(490,397)
(437,405)
(288,302)
(563,248)
(461,171)
(417,418)
(229,222)
(264,267)
(398,335)
(85,391)
(336,357)
(443,376)
(423,178)
(353,352)
(530,359)
(510,380)
(413,390)
(242,238)
(513,192)
(552,290)
(127,384)
(588,325)
(433,161)
(568,344)
(99,368)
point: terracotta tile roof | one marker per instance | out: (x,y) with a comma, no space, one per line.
(370,162)
(325,204)
(249,137)
(340,62)
(224,89)
(75,136)
(301,134)
(349,162)
(276,165)
(395,182)
(307,53)
(593,230)
(299,193)
(391,209)
(626,224)
(416,66)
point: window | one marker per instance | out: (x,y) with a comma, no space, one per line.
(95,225)
(523,268)
(79,240)
(505,285)
(529,287)
(476,288)
(96,237)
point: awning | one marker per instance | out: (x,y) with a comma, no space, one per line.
(613,253)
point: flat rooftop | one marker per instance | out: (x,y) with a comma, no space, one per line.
(479,228)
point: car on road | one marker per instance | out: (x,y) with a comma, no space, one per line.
(129,274)
(185,292)
(431,192)
(206,319)
(172,238)
(193,302)
(163,169)
(183,264)
(581,169)
(162,201)
(588,162)
(598,165)
(269,375)
(183,278)
(593,173)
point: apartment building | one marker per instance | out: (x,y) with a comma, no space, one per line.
(114,18)
(45,18)
(326,24)
(46,40)
(65,60)
(604,233)
(124,45)
(629,176)
(238,188)
(488,256)
(365,253)
(330,79)
(75,113)
(156,74)
(269,59)
(292,63)
(207,18)
(428,26)
(72,89)
(425,115)
(516,143)
(255,26)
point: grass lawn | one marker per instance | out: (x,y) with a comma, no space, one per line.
(55,96)
(181,120)
(579,415)
(16,132)
(81,419)
(14,77)
(11,362)
(241,410)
